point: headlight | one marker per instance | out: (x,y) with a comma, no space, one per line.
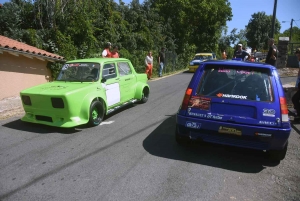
(26,100)
(191,63)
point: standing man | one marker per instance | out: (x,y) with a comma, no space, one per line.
(297,53)
(272,53)
(149,64)
(240,53)
(106,52)
(161,61)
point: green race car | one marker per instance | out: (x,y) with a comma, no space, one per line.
(84,92)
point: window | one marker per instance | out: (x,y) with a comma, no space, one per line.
(109,71)
(124,68)
(83,72)
(237,83)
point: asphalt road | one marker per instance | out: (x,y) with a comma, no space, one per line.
(134,156)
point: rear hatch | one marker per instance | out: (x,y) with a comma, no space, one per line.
(236,94)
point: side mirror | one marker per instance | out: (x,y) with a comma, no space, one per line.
(103,80)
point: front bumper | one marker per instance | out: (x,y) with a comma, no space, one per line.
(193,68)
(209,131)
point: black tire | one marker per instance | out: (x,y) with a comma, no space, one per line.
(145,95)
(278,155)
(97,113)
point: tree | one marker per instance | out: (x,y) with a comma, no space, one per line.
(295,34)
(259,29)
(197,22)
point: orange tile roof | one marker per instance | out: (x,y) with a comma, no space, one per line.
(11,44)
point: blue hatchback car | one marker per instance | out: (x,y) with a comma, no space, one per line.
(235,103)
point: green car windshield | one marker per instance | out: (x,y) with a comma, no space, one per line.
(79,72)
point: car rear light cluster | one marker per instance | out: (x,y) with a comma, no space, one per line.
(57,103)
(26,100)
(284,110)
(186,99)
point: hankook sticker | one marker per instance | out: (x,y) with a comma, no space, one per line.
(220,95)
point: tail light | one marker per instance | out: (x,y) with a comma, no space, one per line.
(284,110)
(186,99)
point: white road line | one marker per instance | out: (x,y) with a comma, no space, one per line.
(108,122)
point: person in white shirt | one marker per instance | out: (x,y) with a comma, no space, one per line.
(106,52)
(149,65)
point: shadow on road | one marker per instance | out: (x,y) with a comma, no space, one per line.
(38,128)
(44,129)
(161,142)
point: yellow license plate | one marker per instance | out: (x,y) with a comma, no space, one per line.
(228,130)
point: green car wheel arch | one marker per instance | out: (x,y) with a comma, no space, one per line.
(86,110)
(145,95)
(142,93)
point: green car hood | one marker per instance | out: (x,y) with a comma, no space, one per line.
(58,88)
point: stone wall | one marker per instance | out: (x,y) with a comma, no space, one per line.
(282,52)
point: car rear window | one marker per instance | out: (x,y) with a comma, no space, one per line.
(236,83)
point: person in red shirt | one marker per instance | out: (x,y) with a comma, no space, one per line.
(114,52)
(224,56)
(106,52)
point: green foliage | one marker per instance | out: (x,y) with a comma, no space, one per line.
(259,30)
(79,29)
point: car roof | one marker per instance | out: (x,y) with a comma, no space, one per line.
(205,53)
(98,60)
(239,63)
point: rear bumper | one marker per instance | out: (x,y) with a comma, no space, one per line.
(208,131)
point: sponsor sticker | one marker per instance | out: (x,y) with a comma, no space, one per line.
(246,72)
(269,112)
(199,102)
(271,123)
(228,130)
(221,95)
(65,67)
(223,70)
(210,116)
(190,124)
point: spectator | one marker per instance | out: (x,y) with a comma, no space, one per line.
(296,101)
(240,53)
(149,65)
(272,53)
(298,57)
(161,61)
(224,56)
(114,52)
(106,52)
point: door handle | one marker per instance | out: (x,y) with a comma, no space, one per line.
(127,79)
